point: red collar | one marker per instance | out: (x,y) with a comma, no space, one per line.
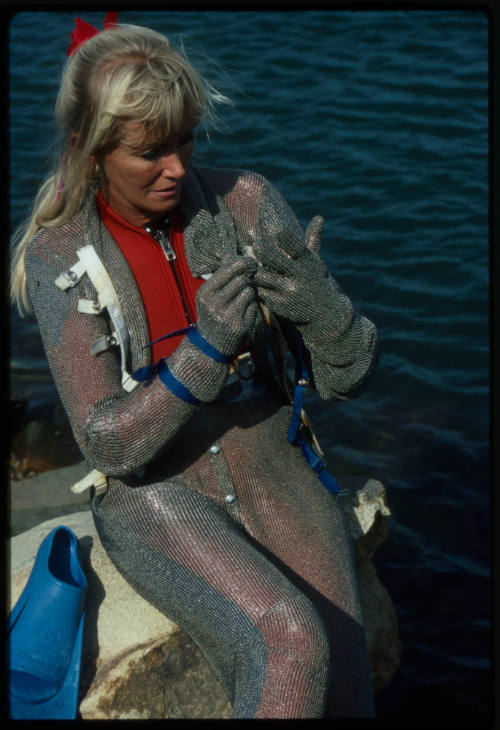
(154,275)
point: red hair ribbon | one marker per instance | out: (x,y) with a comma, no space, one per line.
(83,31)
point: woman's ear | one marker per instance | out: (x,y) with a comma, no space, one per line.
(97,162)
(96,169)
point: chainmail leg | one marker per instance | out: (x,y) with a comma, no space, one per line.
(181,552)
(303,530)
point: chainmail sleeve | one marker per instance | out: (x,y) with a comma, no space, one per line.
(117,431)
(342,343)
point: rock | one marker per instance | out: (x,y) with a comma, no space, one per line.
(137,664)
(363,506)
(45,496)
(42,446)
(367,512)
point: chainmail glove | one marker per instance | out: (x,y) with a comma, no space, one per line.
(293,281)
(227,305)
(227,308)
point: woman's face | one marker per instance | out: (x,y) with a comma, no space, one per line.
(141,181)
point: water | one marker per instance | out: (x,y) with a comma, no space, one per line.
(378,121)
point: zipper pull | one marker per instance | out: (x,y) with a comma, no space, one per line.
(164,242)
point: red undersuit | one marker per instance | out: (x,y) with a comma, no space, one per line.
(155,278)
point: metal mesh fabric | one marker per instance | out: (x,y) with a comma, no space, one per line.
(210,513)
(265,583)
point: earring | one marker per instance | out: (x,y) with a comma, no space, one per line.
(95,165)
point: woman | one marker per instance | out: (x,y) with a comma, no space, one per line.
(210,511)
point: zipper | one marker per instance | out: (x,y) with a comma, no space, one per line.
(164,240)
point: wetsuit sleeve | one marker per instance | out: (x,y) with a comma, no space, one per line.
(116,431)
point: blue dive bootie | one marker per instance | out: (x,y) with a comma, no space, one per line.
(45,633)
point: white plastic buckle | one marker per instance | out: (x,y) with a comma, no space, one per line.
(72,276)
(95,478)
(128,383)
(89,306)
(104,343)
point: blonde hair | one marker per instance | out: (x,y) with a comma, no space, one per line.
(127,73)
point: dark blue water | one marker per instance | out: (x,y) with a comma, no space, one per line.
(378,121)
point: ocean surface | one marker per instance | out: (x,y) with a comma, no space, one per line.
(378,121)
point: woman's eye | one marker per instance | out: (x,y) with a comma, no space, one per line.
(149,154)
(154,152)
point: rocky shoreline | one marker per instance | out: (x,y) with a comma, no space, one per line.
(37,444)
(44,460)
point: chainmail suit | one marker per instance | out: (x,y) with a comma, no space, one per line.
(263,579)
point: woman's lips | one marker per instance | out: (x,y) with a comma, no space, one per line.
(168,193)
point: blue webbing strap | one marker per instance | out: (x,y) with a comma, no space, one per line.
(146,373)
(176,386)
(299,391)
(204,345)
(198,341)
(294,436)
(183,331)
(160,368)
(319,467)
(301,381)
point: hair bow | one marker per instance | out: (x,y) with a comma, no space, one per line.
(83,31)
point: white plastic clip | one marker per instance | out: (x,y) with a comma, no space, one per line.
(89,306)
(95,479)
(104,343)
(128,383)
(72,276)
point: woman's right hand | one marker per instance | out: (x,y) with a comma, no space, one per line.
(226,304)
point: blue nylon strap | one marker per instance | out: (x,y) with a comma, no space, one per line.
(204,345)
(301,381)
(298,401)
(319,467)
(146,373)
(294,437)
(168,380)
(182,331)
(198,341)
(174,385)
(302,377)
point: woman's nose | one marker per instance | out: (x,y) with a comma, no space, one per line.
(173,166)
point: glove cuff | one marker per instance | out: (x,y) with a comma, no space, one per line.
(203,376)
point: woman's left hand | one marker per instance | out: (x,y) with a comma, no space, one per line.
(293,280)
(295,284)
